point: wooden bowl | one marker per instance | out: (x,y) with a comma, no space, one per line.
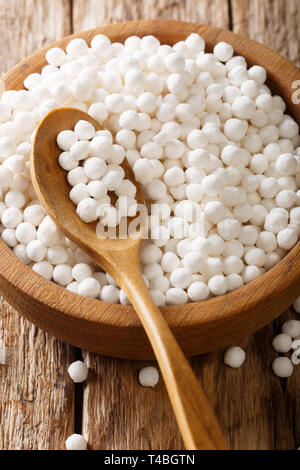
(115,330)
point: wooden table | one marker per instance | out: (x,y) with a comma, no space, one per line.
(39,405)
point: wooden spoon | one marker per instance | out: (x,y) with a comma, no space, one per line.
(120,258)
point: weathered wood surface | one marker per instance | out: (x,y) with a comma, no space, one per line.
(37,408)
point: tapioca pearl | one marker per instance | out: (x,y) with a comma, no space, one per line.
(197,139)
(237,75)
(36,251)
(109,294)
(269,134)
(76,176)
(248,235)
(266,241)
(282,367)
(286,146)
(228,228)
(288,128)
(286,199)
(255,257)
(62,274)
(259,163)
(15,199)
(67,162)
(152,270)
(212,267)
(232,155)
(90,287)
(66,139)
(160,235)
(286,164)
(126,138)
(80,150)
(193,261)
(250,273)
(217,244)
(169,262)
(198,291)
(113,177)
(292,328)
(19,250)
(11,217)
(98,111)
(243,107)
(295,215)
(234,281)
(202,245)
(235,129)
(7,147)
(44,269)
(158,297)
(8,235)
(215,211)
(160,283)
(276,220)
(271,260)
(57,255)
(218,285)
(231,196)
(81,271)
(101,147)
(233,265)
(269,187)
(211,185)
(195,43)
(150,254)
(287,183)
(243,212)
(282,343)
(109,217)
(16,163)
(25,233)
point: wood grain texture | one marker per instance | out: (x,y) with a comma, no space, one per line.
(92,13)
(275,23)
(36,406)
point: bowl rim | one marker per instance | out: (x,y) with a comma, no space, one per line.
(236,303)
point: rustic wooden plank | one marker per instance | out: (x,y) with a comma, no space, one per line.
(119,413)
(91,13)
(275,23)
(36,406)
(29,25)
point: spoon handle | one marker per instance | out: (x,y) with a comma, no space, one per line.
(196,420)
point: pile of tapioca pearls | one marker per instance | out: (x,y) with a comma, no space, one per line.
(199,129)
